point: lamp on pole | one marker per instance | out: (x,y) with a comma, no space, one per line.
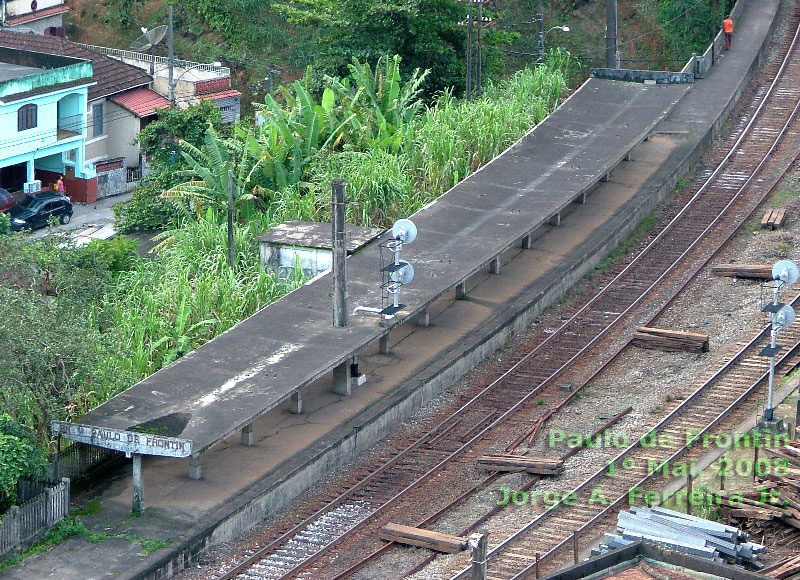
(780,316)
(543,33)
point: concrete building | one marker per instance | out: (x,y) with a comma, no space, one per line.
(118,104)
(192,81)
(37,16)
(43,100)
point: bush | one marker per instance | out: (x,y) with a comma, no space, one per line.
(19,455)
(5,223)
(146,210)
(115,255)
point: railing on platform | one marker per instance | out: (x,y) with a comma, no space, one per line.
(23,524)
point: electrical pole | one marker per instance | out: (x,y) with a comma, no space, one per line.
(170,56)
(612,52)
(713,31)
(478,85)
(230,219)
(469,49)
(339,254)
(271,78)
(540,25)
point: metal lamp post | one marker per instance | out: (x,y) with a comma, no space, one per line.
(543,34)
(780,316)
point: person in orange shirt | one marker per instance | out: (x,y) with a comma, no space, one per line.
(727,28)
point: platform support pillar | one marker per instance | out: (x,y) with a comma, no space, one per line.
(383,344)
(627,156)
(581,199)
(461,290)
(247,435)
(425,318)
(296,403)
(606,177)
(341,379)
(494,265)
(527,242)
(195,468)
(556,220)
(138,485)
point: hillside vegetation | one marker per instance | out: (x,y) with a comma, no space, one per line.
(251,35)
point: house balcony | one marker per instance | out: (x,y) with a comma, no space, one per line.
(63,134)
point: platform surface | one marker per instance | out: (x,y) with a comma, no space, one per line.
(253,367)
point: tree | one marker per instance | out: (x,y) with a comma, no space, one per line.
(160,139)
(160,143)
(19,455)
(425,33)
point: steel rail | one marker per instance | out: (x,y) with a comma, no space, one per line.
(731,408)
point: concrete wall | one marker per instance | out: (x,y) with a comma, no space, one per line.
(22,7)
(283,259)
(122,127)
(40,25)
(111,181)
(42,140)
(230,108)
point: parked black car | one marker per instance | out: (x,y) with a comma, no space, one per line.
(6,200)
(35,210)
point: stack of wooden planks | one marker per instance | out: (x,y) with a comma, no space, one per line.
(776,496)
(682,532)
(783,569)
(757,271)
(515,463)
(773,218)
(670,340)
(423,538)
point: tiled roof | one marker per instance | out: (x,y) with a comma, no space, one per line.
(141,102)
(111,76)
(212,85)
(37,15)
(220,95)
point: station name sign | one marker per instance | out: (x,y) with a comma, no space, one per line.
(125,441)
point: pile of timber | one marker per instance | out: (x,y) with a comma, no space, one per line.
(783,569)
(422,538)
(670,340)
(516,463)
(773,497)
(757,271)
(773,218)
(684,533)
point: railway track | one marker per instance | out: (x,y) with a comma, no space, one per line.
(677,252)
(682,437)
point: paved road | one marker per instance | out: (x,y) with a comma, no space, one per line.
(96,214)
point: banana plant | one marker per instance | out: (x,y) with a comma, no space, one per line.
(207,185)
(382,103)
(293,132)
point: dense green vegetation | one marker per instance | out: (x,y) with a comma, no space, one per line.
(250,36)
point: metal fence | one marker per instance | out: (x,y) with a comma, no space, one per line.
(23,524)
(79,461)
(133,176)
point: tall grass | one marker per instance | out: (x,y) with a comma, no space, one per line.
(444,144)
(168,306)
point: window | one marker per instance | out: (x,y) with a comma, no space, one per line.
(98,120)
(26,117)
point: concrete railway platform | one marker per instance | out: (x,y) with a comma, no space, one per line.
(506,283)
